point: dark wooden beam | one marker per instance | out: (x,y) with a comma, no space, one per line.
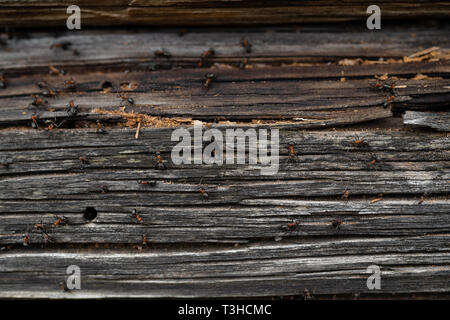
(224,12)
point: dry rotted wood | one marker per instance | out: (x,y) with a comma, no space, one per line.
(197,12)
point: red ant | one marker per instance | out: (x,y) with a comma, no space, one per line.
(60,220)
(72,109)
(292,153)
(84,160)
(209,79)
(34,121)
(137,216)
(160,165)
(291,226)
(147,183)
(205,55)
(247,46)
(345,195)
(359,142)
(125,98)
(26,240)
(336,224)
(104,189)
(3,83)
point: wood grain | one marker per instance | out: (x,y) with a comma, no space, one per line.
(323,266)
(254,235)
(198,12)
(435,120)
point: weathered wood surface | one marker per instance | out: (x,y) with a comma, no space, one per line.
(39,162)
(324,266)
(135,48)
(198,12)
(290,80)
(326,91)
(435,120)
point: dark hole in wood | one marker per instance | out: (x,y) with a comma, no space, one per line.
(90,213)
(106,84)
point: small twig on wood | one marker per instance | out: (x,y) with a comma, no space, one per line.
(137,130)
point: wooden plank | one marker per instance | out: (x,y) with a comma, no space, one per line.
(219,223)
(309,103)
(435,120)
(46,173)
(254,270)
(188,13)
(120,49)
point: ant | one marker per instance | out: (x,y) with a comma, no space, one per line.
(147,183)
(306,294)
(104,189)
(84,160)
(336,224)
(70,84)
(247,46)
(72,109)
(209,79)
(134,214)
(60,220)
(63,45)
(34,121)
(55,71)
(50,127)
(386,86)
(202,190)
(388,101)
(292,153)
(422,198)
(359,142)
(100,130)
(125,98)
(206,55)
(39,227)
(42,84)
(144,240)
(373,161)
(48,93)
(345,195)
(160,165)
(38,101)
(26,240)
(162,54)
(64,287)
(3,83)
(291,226)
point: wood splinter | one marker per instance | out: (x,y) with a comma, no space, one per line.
(137,130)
